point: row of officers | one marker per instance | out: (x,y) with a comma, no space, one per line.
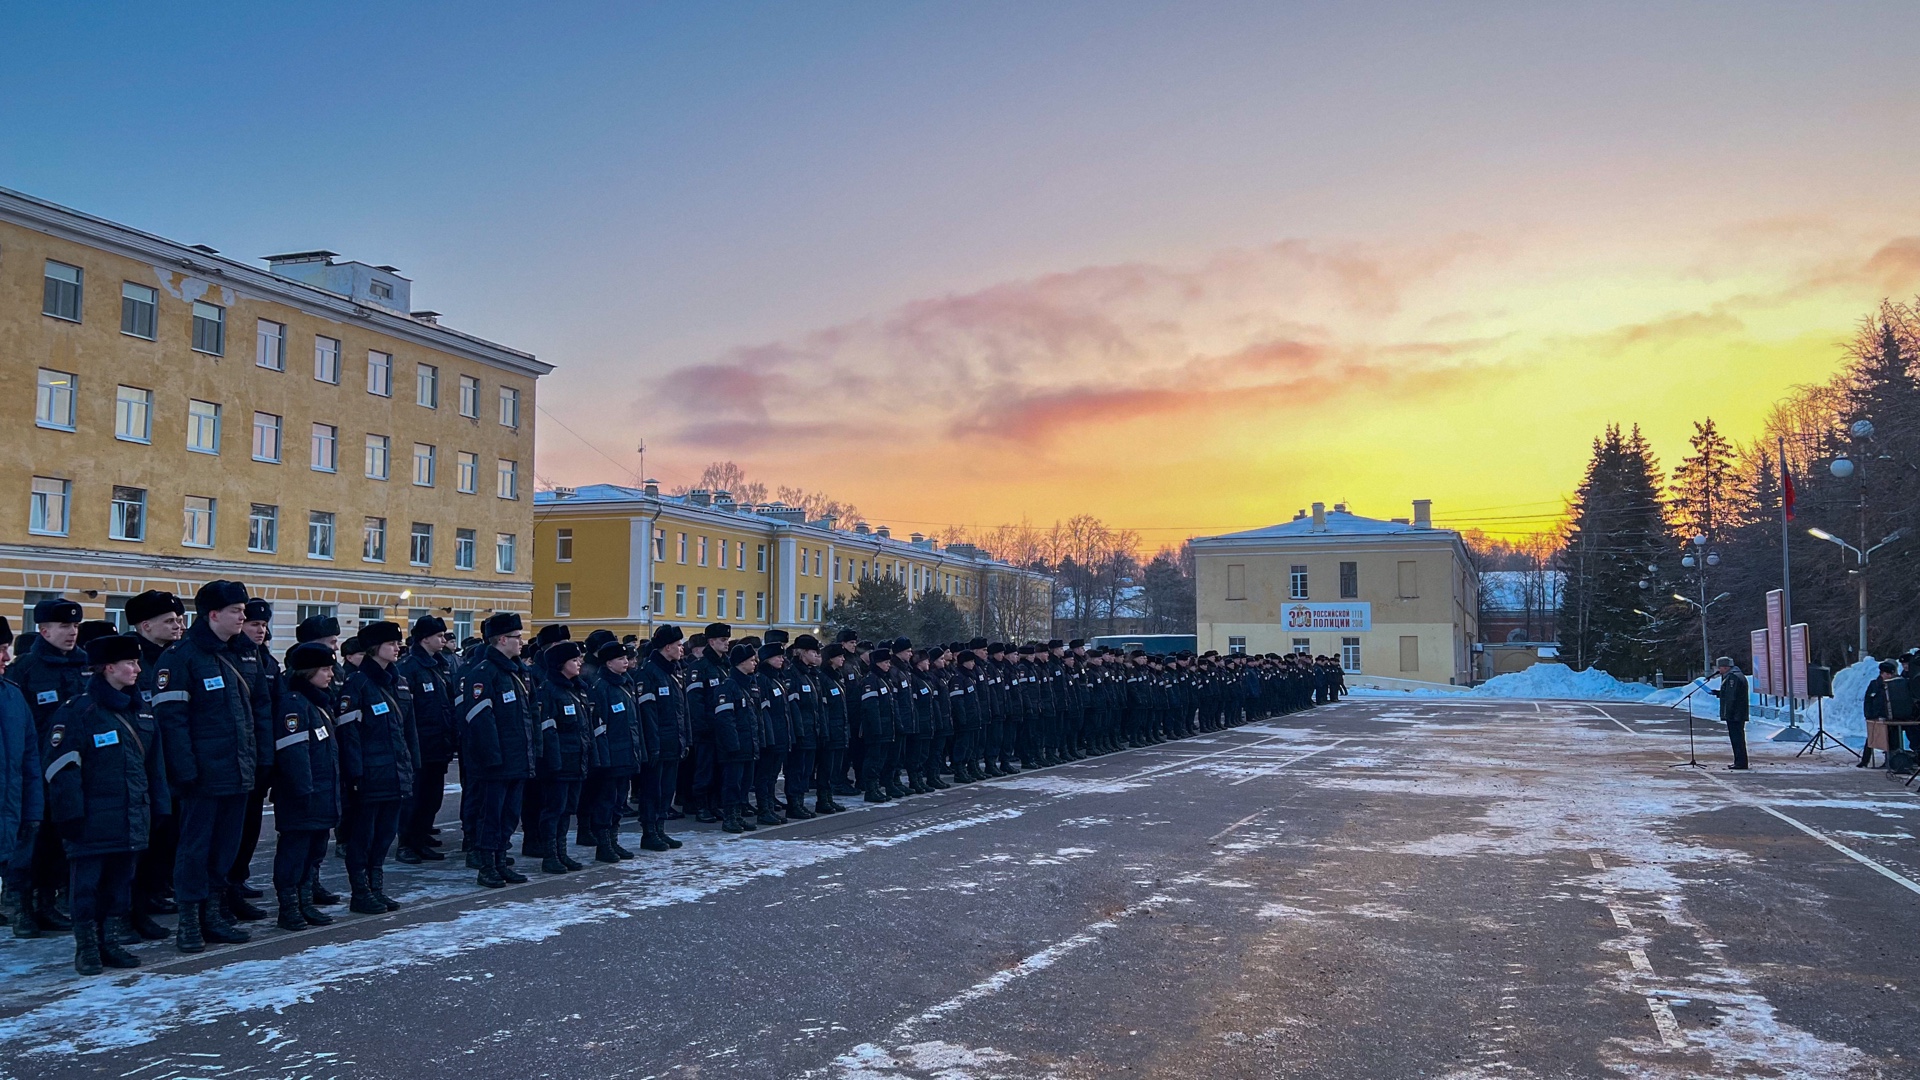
(137,767)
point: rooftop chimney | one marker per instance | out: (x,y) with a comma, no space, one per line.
(564,492)
(1423,513)
(862,528)
(723,500)
(883,532)
(1319,517)
(650,486)
(700,497)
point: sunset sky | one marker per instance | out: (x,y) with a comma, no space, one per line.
(1184,266)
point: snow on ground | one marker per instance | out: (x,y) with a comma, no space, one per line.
(1538,681)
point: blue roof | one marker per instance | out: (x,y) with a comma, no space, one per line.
(1339,523)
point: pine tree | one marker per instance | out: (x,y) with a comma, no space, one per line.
(1617,537)
(877,609)
(1700,489)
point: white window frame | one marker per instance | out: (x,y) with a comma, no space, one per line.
(1297,581)
(254,517)
(199,423)
(211,515)
(56,284)
(129,401)
(507,480)
(323,534)
(659,598)
(56,400)
(270,345)
(1350,655)
(134,297)
(431,461)
(118,516)
(562,599)
(373,539)
(466,548)
(680,600)
(273,435)
(563,545)
(325,447)
(50,507)
(426,386)
(506,553)
(215,316)
(419,531)
(379,373)
(466,478)
(326,360)
(510,407)
(469,397)
(379,455)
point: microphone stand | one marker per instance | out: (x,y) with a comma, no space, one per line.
(1693,761)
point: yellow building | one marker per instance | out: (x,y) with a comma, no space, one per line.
(626,558)
(176,416)
(1393,600)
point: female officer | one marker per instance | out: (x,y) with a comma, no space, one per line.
(306,783)
(565,713)
(377,752)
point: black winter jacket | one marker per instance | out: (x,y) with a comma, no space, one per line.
(375,726)
(215,717)
(501,736)
(306,759)
(105,777)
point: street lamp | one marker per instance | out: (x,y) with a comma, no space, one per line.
(1701,605)
(1860,572)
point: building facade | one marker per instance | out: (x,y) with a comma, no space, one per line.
(179,416)
(1395,600)
(628,558)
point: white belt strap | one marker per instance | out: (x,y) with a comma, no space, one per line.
(348,717)
(288,740)
(71,757)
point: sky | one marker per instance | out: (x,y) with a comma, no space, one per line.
(1187,267)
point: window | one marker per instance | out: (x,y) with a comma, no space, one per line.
(836,568)
(722,564)
(467,472)
(426,386)
(1297,582)
(1349,581)
(319,534)
(1303,646)
(507,482)
(371,614)
(62,297)
(199,523)
(266,437)
(659,597)
(462,625)
(420,545)
(423,465)
(53,404)
(263,528)
(703,551)
(683,549)
(803,562)
(659,547)
(1409,653)
(117,613)
(326,448)
(133,414)
(470,397)
(48,515)
(379,457)
(380,373)
(464,545)
(759,606)
(1237,645)
(209,328)
(326,360)
(303,612)
(139,308)
(1409,580)
(760,558)
(504,552)
(563,545)
(816,563)
(700,601)
(270,345)
(380,290)
(816,607)
(373,540)
(740,555)
(509,407)
(720,603)
(128,518)
(740,606)
(1350,655)
(679,599)
(1236,581)
(562,599)
(203,427)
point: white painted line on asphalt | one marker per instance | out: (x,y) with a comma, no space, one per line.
(1638,958)
(1620,918)
(1237,824)
(1610,716)
(1289,761)
(1886,872)
(1669,1027)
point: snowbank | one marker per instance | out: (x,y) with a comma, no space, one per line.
(1561,681)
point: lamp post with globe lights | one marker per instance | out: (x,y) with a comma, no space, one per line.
(1701,559)
(1847,467)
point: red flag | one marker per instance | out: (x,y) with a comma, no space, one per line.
(1786,477)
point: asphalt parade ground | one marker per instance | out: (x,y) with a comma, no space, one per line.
(1381,888)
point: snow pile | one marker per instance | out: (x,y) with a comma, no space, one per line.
(1845,714)
(1561,681)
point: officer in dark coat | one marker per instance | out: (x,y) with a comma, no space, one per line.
(218,734)
(428,671)
(52,672)
(502,744)
(374,722)
(104,778)
(663,706)
(22,790)
(806,697)
(619,750)
(735,716)
(875,701)
(564,710)
(776,730)
(158,620)
(706,672)
(258,631)
(835,718)
(306,782)
(1733,708)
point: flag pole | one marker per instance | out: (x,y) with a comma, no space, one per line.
(1792,732)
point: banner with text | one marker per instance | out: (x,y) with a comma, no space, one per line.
(1777,642)
(1757,641)
(1327,617)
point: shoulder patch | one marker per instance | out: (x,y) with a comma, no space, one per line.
(58,734)
(160,680)
(479,691)
(293,722)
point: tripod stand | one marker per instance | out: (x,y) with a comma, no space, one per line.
(1821,740)
(1693,761)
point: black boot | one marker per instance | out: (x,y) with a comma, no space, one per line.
(247,890)
(797,810)
(504,867)
(745,815)
(707,817)
(312,914)
(613,840)
(874,794)
(322,896)
(566,857)
(86,948)
(47,914)
(242,908)
(769,817)
(661,832)
(823,805)
(489,869)
(217,928)
(603,849)
(377,884)
(408,854)
(363,902)
(652,840)
(187,936)
(476,860)
(290,916)
(112,955)
(732,823)
(145,928)
(118,931)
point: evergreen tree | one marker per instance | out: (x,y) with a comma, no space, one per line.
(876,609)
(1617,538)
(1700,485)
(935,619)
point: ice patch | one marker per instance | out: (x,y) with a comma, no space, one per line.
(1064,786)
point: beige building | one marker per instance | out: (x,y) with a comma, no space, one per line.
(176,416)
(1392,599)
(626,558)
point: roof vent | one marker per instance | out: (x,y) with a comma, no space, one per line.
(431,318)
(205,250)
(1298,514)
(1401,521)
(1319,517)
(723,500)
(883,533)
(564,492)
(1339,508)
(862,528)
(700,497)
(1423,513)
(650,486)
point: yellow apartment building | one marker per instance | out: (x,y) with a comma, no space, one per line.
(1393,600)
(627,558)
(178,416)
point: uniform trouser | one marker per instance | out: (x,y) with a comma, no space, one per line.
(766,776)
(101,885)
(153,876)
(705,792)
(799,770)
(367,829)
(601,799)
(429,794)
(209,838)
(992,736)
(733,783)
(532,795)
(497,807)
(856,759)
(873,762)
(831,767)
(469,812)
(890,761)
(1028,742)
(559,801)
(658,779)
(249,835)
(913,757)
(1737,735)
(297,855)
(49,867)
(1009,741)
